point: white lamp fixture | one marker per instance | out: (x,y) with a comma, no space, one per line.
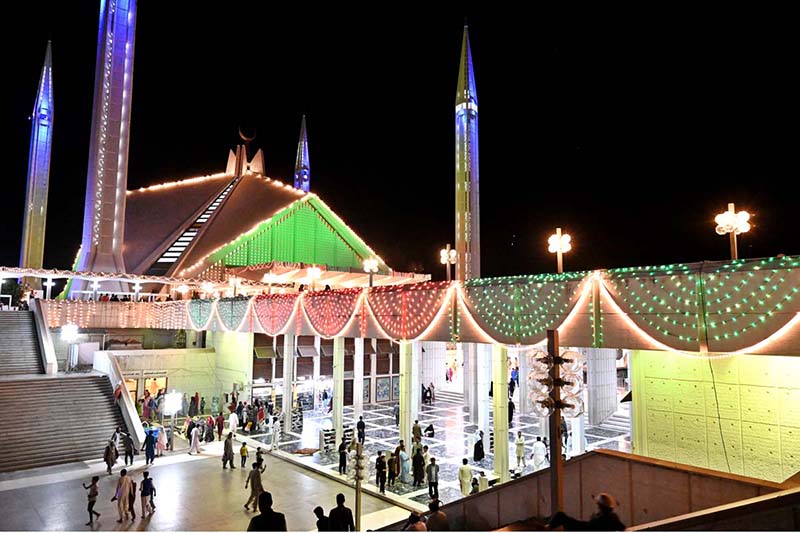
(447,257)
(733,223)
(559,244)
(370,267)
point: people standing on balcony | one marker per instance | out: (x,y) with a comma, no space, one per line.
(465,477)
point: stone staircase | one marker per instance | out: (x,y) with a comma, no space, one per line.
(47,420)
(448,396)
(619,421)
(19,344)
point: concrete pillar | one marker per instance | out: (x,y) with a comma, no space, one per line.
(406,392)
(523,406)
(358,378)
(500,397)
(315,374)
(373,371)
(338,387)
(483,376)
(469,353)
(601,374)
(289,349)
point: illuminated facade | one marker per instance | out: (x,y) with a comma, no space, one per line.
(38,171)
(107,176)
(468,228)
(302,166)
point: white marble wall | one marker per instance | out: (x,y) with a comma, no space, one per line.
(601,377)
(433,364)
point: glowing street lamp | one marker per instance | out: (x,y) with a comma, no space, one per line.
(49,284)
(559,244)
(733,223)
(447,257)
(370,267)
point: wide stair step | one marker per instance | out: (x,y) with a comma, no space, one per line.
(76,413)
(19,345)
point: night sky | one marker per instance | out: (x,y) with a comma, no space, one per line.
(630,130)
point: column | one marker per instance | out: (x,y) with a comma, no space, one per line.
(406,392)
(469,353)
(576,427)
(483,377)
(523,407)
(373,371)
(315,374)
(338,387)
(289,349)
(358,378)
(500,397)
(416,385)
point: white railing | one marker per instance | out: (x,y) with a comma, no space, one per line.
(46,349)
(107,364)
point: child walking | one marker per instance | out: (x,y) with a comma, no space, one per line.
(92,495)
(243,452)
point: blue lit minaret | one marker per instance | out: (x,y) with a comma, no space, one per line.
(302,166)
(35,214)
(468,221)
(107,176)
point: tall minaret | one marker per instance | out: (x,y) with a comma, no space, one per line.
(468,220)
(302,167)
(107,178)
(38,171)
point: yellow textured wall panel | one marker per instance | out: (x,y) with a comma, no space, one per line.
(789,401)
(790,451)
(760,404)
(726,370)
(725,447)
(728,396)
(657,368)
(689,398)
(689,369)
(764,372)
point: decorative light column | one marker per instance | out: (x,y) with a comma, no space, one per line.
(499,356)
(370,267)
(289,343)
(447,257)
(358,377)
(733,223)
(559,244)
(406,391)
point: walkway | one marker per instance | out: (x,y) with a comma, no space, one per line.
(194,493)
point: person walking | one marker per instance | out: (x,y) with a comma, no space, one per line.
(243,452)
(427,458)
(233,422)
(123,495)
(465,477)
(361,428)
(195,447)
(432,473)
(341,517)
(92,499)
(323,523)
(202,406)
(391,468)
(276,433)
(416,431)
(433,392)
(510,412)
(380,472)
(520,443)
(437,520)
(127,443)
(227,454)
(132,499)
(109,456)
(149,447)
(478,454)
(148,492)
(161,442)
(220,425)
(418,467)
(396,412)
(539,454)
(343,456)
(268,520)
(256,487)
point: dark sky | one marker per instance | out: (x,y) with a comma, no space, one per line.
(631,130)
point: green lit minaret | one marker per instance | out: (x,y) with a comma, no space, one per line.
(468,221)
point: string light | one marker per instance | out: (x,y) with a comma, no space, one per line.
(329,312)
(274,311)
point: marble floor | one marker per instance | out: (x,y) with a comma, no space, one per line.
(193,493)
(453,441)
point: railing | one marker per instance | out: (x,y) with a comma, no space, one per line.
(46,349)
(646,490)
(107,364)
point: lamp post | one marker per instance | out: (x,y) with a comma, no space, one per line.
(370,267)
(314,273)
(447,257)
(733,223)
(49,284)
(559,244)
(551,375)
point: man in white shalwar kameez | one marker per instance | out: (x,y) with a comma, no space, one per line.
(276,433)
(233,423)
(539,454)
(465,477)
(195,440)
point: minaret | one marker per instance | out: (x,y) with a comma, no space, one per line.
(107,177)
(302,167)
(38,172)
(468,221)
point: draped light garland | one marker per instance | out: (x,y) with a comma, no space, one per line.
(668,308)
